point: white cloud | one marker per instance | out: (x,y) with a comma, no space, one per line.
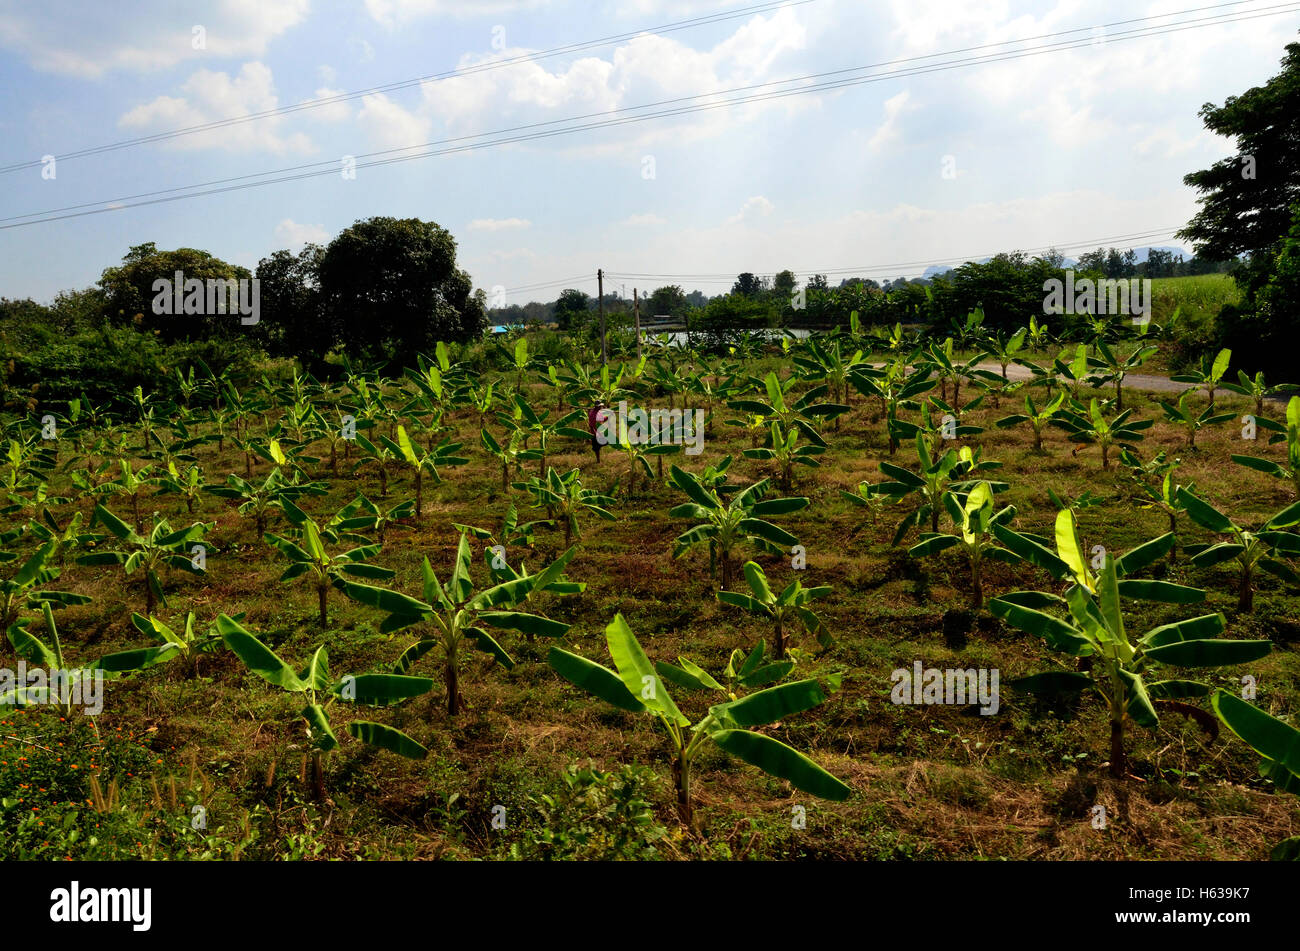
(330,112)
(91,39)
(389,125)
(888,132)
(753,208)
(646,68)
(499,224)
(294,235)
(210,96)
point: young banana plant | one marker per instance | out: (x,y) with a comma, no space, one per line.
(782,450)
(974,518)
(637,687)
(790,605)
(1255,389)
(1070,561)
(1290,472)
(329,570)
(781,407)
(1038,419)
(1208,375)
(1162,493)
(1095,429)
(509,454)
(262,500)
(50,656)
(726,524)
(423,460)
(565,498)
(26,587)
(148,554)
(1191,421)
(451,615)
(1117,367)
(1253,551)
(955,470)
(319,691)
(1122,669)
(743,672)
(188,644)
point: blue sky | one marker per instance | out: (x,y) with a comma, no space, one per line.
(1048,149)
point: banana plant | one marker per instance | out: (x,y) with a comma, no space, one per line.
(897,387)
(423,460)
(509,454)
(1038,419)
(1070,561)
(782,450)
(1095,429)
(955,470)
(639,453)
(262,500)
(319,691)
(1163,493)
(939,423)
(565,498)
(65,538)
(1276,741)
(974,518)
(1117,367)
(782,408)
(512,532)
(363,515)
(187,645)
(1191,421)
(26,587)
(132,484)
(1122,669)
(538,425)
(1004,349)
(456,614)
(148,554)
(637,687)
(726,524)
(50,656)
(1253,551)
(328,570)
(189,486)
(1257,390)
(1208,375)
(743,672)
(1290,472)
(790,605)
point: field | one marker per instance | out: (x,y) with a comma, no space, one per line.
(533,767)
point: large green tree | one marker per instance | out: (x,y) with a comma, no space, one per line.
(293,319)
(129,292)
(1246,198)
(392,289)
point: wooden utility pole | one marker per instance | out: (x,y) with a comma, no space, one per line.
(600,293)
(636,314)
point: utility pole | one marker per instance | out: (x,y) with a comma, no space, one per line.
(600,293)
(636,314)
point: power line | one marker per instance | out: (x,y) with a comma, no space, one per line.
(673,27)
(192,192)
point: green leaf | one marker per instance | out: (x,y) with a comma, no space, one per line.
(387,738)
(1268,736)
(321,732)
(636,671)
(257,657)
(595,679)
(771,704)
(777,759)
